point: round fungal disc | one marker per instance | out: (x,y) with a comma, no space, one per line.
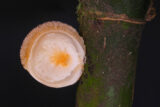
(53,53)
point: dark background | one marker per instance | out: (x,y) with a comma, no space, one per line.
(19,89)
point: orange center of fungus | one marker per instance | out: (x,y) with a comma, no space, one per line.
(60,58)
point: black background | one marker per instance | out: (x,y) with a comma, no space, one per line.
(19,89)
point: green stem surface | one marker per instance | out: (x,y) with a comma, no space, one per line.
(109,74)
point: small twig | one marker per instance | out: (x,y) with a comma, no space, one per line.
(151,12)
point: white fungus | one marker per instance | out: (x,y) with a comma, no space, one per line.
(53,53)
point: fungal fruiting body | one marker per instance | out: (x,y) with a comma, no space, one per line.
(53,53)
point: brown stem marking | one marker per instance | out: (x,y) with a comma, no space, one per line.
(122,19)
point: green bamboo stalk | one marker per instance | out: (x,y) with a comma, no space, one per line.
(112,45)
